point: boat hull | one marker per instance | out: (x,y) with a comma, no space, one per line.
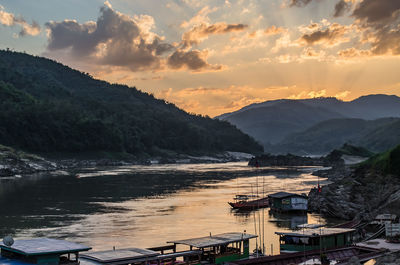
(250,205)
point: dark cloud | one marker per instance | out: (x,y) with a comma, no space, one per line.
(115,39)
(341,7)
(380,20)
(329,35)
(299,3)
(377,11)
(202,31)
(118,40)
(193,60)
(9,19)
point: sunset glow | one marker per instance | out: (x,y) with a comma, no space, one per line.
(212,57)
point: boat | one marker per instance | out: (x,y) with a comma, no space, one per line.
(316,238)
(247,202)
(335,256)
(212,249)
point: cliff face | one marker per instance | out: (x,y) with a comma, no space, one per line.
(371,188)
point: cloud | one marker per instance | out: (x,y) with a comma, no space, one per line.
(119,40)
(299,3)
(353,52)
(9,19)
(273,30)
(342,95)
(309,94)
(342,7)
(331,35)
(114,39)
(218,100)
(198,33)
(377,11)
(379,20)
(200,18)
(193,60)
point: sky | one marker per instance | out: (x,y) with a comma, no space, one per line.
(210,57)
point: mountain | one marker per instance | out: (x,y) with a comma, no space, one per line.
(271,122)
(376,135)
(48,107)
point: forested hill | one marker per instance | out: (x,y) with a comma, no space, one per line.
(48,107)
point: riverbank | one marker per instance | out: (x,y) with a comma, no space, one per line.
(360,191)
(14,162)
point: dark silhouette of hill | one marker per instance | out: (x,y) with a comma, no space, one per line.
(271,121)
(48,107)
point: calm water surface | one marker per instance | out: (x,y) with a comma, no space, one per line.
(145,206)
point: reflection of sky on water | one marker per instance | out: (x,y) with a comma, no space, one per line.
(146,206)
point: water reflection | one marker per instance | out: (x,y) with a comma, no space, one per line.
(145,206)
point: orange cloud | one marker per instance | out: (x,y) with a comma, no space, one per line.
(201,32)
(9,19)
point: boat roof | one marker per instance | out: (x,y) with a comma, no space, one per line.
(309,226)
(127,255)
(316,232)
(7,261)
(283,194)
(44,246)
(215,240)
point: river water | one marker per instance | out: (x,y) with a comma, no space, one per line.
(146,206)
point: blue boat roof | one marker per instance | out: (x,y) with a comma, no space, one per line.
(6,261)
(127,254)
(43,246)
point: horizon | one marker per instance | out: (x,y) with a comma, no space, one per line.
(215,57)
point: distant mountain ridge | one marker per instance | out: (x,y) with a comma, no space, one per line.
(283,125)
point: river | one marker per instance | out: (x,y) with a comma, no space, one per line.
(145,206)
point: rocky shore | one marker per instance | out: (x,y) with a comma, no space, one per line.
(14,163)
(362,191)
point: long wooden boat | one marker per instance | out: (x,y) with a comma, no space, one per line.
(334,256)
(244,202)
(212,249)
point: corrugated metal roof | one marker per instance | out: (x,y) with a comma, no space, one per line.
(7,261)
(41,246)
(214,240)
(316,232)
(120,255)
(283,194)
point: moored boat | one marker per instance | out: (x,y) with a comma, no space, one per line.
(247,202)
(212,249)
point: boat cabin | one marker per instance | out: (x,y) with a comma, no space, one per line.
(317,238)
(288,202)
(41,251)
(220,248)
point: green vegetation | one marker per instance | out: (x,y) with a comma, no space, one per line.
(352,150)
(48,107)
(386,163)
